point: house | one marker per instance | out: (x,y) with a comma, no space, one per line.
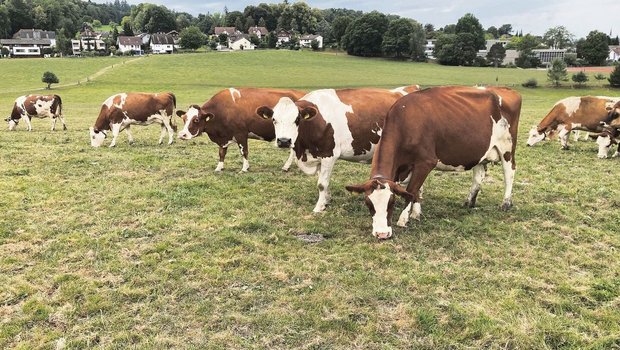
(88,41)
(260,32)
(548,55)
(306,40)
(226,30)
(29,42)
(162,43)
(240,42)
(429,47)
(129,44)
(36,34)
(283,37)
(614,53)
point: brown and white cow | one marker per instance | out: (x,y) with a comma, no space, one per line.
(230,117)
(326,125)
(610,134)
(572,113)
(39,106)
(120,111)
(443,128)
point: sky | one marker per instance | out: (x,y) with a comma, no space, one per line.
(530,16)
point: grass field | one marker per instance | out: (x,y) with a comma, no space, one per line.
(144,246)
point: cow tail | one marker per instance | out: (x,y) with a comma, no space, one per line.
(58,103)
(174,107)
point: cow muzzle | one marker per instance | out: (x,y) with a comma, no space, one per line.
(284,142)
(383,235)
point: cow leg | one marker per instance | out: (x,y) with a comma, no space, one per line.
(167,121)
(576,134)
(563,136)
(220,164)
(418,175)
(116,129)
(129,135)
(479,172)
(509,177)
(162,134)
(27,119)
(289,161)
(242,142)
(325,173)
(53,123)
(62,120)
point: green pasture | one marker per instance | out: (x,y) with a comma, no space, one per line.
(146,247)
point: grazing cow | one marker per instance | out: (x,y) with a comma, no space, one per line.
(229,117)
(610,134)
(40,106)
(326,125)
(443,128)
(122,110)
(572,113)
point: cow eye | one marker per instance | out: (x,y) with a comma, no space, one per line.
(196,120)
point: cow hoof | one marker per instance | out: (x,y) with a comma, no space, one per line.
(242,171)
(468,204)
(402,223)
(131,142)
(285,170)
(565,148)
(506,206)
(64,128)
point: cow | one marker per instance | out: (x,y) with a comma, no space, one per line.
(326,125)
(39,106)
(118,112)
(229,117)
(572,113)
(445,128)
(610,134)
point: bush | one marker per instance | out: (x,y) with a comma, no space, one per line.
(614,77)
(580,78)
(530,83)
(557,72)
(479,62)
(600,76)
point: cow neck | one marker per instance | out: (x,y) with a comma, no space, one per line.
(384,162)
(314,136)
(102,122)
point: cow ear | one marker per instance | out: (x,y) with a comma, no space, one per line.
(180,113)
(308,112)
(402,192)
(264,112)
(208,116)
(356,188)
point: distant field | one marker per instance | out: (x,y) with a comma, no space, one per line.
(144,246)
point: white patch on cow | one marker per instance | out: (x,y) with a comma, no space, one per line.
(534,136)
(310,166)
(604,144)
(234,91)
(190,115)
(575,126)
(284,115)
(43,108)
(12,125)
(563,132)
(500,143)
(445,167)
(571,104)
(400,90)
(96,138)
(380,199)
(220,166)
(110,101)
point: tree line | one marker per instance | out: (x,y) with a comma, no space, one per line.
(372,34)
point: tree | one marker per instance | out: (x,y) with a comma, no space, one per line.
(614,77)
(5,22)
(446,50)
(470,24)
(192,38)
(558,37)
(557,72)
(429,30)
(63,42)
(49,78)
(40,17)
(496,54)
(339,26)
(493,32)
(151,18)
(364,35)
(96,23)
(594,49)
(126,23)
(20,14)
(580,78)
(314,44)
(505,29)
(396,38)
(417,43)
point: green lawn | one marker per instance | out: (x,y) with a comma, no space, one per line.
(144,246)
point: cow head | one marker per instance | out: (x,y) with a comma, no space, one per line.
(12,123)
(605,139)
(96,137)
(286,116)
(613,115)
(535,136)
(195,121)
(379,198)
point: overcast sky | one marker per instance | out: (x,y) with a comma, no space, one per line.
(531,16)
